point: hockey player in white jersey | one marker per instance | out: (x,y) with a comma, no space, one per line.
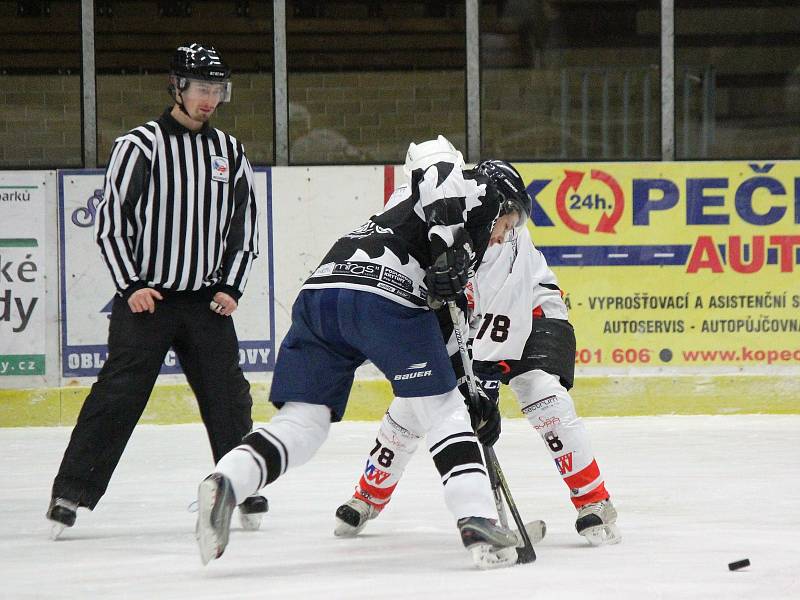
(520,336)
(369,299)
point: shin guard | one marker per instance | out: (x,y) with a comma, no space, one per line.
(550,410)
(397,440)
(456,454)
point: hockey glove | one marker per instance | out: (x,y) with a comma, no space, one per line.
(447,277)
(483,413)
(487,371)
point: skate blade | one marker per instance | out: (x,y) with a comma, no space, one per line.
(487,557)
(345,530)
(602,535)
(56,530)
(207,539)
(536,531)
(250,522)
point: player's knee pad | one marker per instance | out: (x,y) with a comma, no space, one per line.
(401,418)
(301,428)
(442,411)
(550,409)
(542,399)
(400,429)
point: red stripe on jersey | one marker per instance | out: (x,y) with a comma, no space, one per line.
(538,313)
(388,182)
(596,495)
(584,476)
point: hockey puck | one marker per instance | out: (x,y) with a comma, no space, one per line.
(739,564)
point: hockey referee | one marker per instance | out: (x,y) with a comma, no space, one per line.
(178,230)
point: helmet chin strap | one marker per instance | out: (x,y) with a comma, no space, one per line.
(174,91)
(180,103)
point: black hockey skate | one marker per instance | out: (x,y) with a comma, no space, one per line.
(62,513)
(215,504)
(352,517)
(491,546)
(597,522)
(251,511)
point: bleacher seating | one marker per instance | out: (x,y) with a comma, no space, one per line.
(753,45)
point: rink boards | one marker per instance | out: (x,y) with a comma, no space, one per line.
(680,278)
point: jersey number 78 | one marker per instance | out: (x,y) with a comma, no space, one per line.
(499,327)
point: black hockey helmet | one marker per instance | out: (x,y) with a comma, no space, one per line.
(199,62)
(196,62)
(510,186)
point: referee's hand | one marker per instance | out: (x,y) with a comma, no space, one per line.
(223,304)
(144,300)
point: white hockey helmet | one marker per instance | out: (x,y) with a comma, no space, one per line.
(425,154)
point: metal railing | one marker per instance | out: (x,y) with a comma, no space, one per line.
(663,78)
(626,96)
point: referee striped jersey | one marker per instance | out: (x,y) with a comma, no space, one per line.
(178,211)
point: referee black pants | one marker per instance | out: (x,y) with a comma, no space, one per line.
(208,351)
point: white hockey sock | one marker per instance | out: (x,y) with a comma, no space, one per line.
(456,454)
(549,408)
(243,467)
(397,440)
(290,439)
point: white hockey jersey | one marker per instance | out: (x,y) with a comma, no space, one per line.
(512,282)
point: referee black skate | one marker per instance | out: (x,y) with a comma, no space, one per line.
(178,230)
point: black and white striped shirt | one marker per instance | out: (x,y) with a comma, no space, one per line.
(178,210)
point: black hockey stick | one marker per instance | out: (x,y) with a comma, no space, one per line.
(525,553)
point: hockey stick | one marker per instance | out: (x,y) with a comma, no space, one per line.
(491,466)
(525,553)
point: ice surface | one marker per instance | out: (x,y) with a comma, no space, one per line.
(693,494)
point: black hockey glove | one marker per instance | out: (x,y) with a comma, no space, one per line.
(484,414)
(487,381)
(447,277)
(489,371)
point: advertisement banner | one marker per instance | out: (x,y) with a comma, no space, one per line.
(87,291)
(23,214)
(675,267)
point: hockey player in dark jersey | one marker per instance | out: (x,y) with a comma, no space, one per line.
(370,299)
(520,336)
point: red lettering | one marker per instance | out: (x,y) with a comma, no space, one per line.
(704,256)
(757,254)
(564,463)
(374,474)
(787,244)
(381,476)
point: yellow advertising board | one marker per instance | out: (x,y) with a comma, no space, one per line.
(685,268)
